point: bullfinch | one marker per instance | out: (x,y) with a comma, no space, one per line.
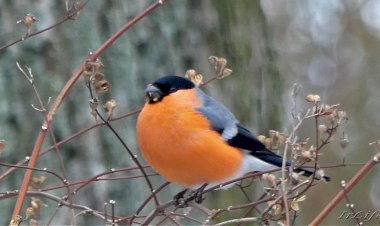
(193,140)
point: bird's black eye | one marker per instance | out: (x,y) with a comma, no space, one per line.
(172,89)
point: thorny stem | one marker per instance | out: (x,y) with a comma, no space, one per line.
(58,101)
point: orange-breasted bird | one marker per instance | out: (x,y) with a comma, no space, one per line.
(193,140)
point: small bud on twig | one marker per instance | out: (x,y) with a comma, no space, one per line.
(28,20)
(110,106)
(313,98)
(220,66)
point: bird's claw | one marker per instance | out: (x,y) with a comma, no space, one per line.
(182,201)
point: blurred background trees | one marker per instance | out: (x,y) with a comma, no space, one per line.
(329,47)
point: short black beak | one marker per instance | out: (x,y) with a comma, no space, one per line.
(153,94)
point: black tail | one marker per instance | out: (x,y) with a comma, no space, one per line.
(274,159)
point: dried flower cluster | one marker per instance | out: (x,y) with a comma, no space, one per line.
(28,20)
(328,119)
(220,66)
(75,9)
(95,78)
(196,78)
(93,73)
(32,213)
(274,141)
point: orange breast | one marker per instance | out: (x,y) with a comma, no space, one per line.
(177,142)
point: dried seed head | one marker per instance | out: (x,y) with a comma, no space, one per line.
(213,60)
(220,66)
(196,78)
(268,142)
(37,204)
(277,209)
(110,106)
(16,220)
(94,103)
(331,110)
(28,20)
(87,75)
(272,133)
(261,138)
(269,177)
(281,138)
(190,73)
(93,69)
(310,98)
(102,86)
(29,212)
(97,65)
(226,72)
(75,10)
(98,77)
(36,182)
(221,63)
(307,155)
(313,98)
(294,204)
(342,114)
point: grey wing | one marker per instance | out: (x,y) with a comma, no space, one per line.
(222,120)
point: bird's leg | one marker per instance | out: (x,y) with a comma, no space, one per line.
(179,199)
(197,195)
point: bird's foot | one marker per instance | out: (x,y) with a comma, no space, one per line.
(197,196)
(182,201)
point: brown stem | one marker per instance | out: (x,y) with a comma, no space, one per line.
(351,184)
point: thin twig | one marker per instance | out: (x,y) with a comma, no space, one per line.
(66,18)
(59,200)
(238,221)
